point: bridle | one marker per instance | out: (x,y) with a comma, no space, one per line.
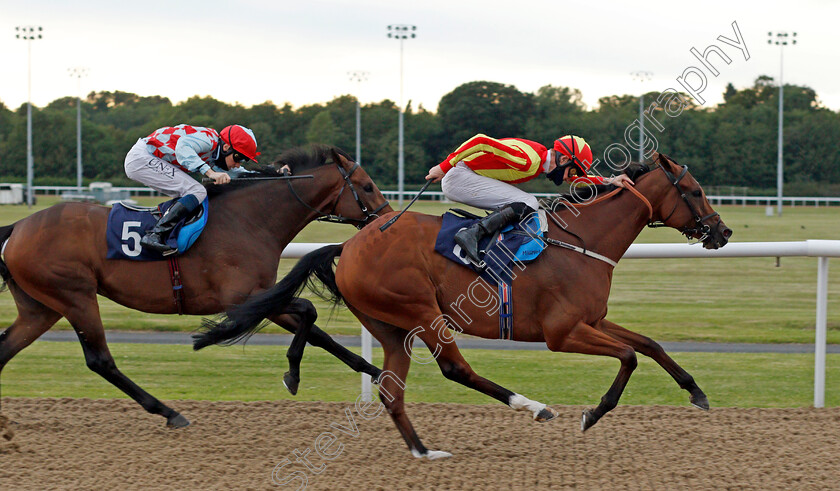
(332,216)
(700,225)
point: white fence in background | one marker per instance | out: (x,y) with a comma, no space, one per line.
(438,196)
(821,249)
(713,199)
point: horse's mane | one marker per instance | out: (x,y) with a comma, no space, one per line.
(583,194)
(299,159)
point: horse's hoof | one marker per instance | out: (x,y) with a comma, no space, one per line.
(587,420)
(5,429)
(291,383)
(177,421)
(699,401)
(547,414)
(431,454)
(375,380)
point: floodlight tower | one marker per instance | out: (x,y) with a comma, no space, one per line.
(78,73)
(642,76)
(401,32)
(29,34)
(780,39)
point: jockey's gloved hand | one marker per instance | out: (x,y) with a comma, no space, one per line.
(218,177)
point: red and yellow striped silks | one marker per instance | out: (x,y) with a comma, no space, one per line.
(511,160)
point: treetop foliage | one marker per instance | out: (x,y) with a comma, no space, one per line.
(732,144)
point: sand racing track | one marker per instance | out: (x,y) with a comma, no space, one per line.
(113,444)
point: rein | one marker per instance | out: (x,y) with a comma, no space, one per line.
(584,250)
(332,216)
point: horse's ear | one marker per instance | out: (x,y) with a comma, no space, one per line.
(337,158)
(663,160)
(654,157)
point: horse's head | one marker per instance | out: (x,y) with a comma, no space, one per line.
(359,201)
(686,208)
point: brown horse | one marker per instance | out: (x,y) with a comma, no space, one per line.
(398,287)
(54,261)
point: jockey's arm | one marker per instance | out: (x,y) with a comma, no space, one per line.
(620,180)
(188,149)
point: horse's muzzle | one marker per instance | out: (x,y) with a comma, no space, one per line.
(719,237)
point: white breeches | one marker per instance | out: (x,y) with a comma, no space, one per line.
(463,185)
(160,175)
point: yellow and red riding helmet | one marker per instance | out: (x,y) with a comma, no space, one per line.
(577,150)
(241,139)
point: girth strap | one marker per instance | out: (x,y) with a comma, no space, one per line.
(505,309)
(177,286)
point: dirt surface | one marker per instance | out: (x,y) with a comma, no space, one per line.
(110,444)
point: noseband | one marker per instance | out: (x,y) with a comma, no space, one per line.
(332,216)
(700,227)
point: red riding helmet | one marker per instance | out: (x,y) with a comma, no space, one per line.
(577,150)
(241,139)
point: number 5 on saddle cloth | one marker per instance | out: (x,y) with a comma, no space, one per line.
(127,224)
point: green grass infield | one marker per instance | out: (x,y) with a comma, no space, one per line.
(57,369)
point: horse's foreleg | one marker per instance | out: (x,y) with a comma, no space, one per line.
(652,349)
(302,314)
(299,318)
(84,317)
(587,340)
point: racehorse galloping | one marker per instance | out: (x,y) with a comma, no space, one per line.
(54,261)
(395,283)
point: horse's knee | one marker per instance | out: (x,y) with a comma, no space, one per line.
(652,348)
(100,365)
(306,311)
(454,371)
(628,358)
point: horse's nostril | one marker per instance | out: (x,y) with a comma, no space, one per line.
(727,233)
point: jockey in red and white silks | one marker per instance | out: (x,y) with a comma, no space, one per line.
(164,159)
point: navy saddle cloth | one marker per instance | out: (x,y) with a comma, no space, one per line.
(126,226)
(507,246)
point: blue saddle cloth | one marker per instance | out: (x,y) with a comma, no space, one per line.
(497,260)
(126,226)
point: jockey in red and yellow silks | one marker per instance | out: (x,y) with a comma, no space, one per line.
(482,172)
(512,160)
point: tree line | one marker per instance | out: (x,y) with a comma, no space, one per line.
(731,144)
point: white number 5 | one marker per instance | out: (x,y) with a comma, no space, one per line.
(127,235)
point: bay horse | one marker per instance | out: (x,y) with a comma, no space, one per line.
(398,287)
(54,261)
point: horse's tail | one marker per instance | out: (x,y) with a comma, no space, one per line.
(241,321)
(5,233)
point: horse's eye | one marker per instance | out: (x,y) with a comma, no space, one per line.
(368,188)
(697,193)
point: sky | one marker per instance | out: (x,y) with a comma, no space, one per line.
(301,52)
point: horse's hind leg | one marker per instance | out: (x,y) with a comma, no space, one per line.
(392,383)
(33,320)
(84,317)
(652,349)
(454,367)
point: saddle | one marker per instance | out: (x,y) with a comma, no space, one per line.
(128,223)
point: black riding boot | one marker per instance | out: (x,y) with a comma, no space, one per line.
(156,237)
(469,238)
